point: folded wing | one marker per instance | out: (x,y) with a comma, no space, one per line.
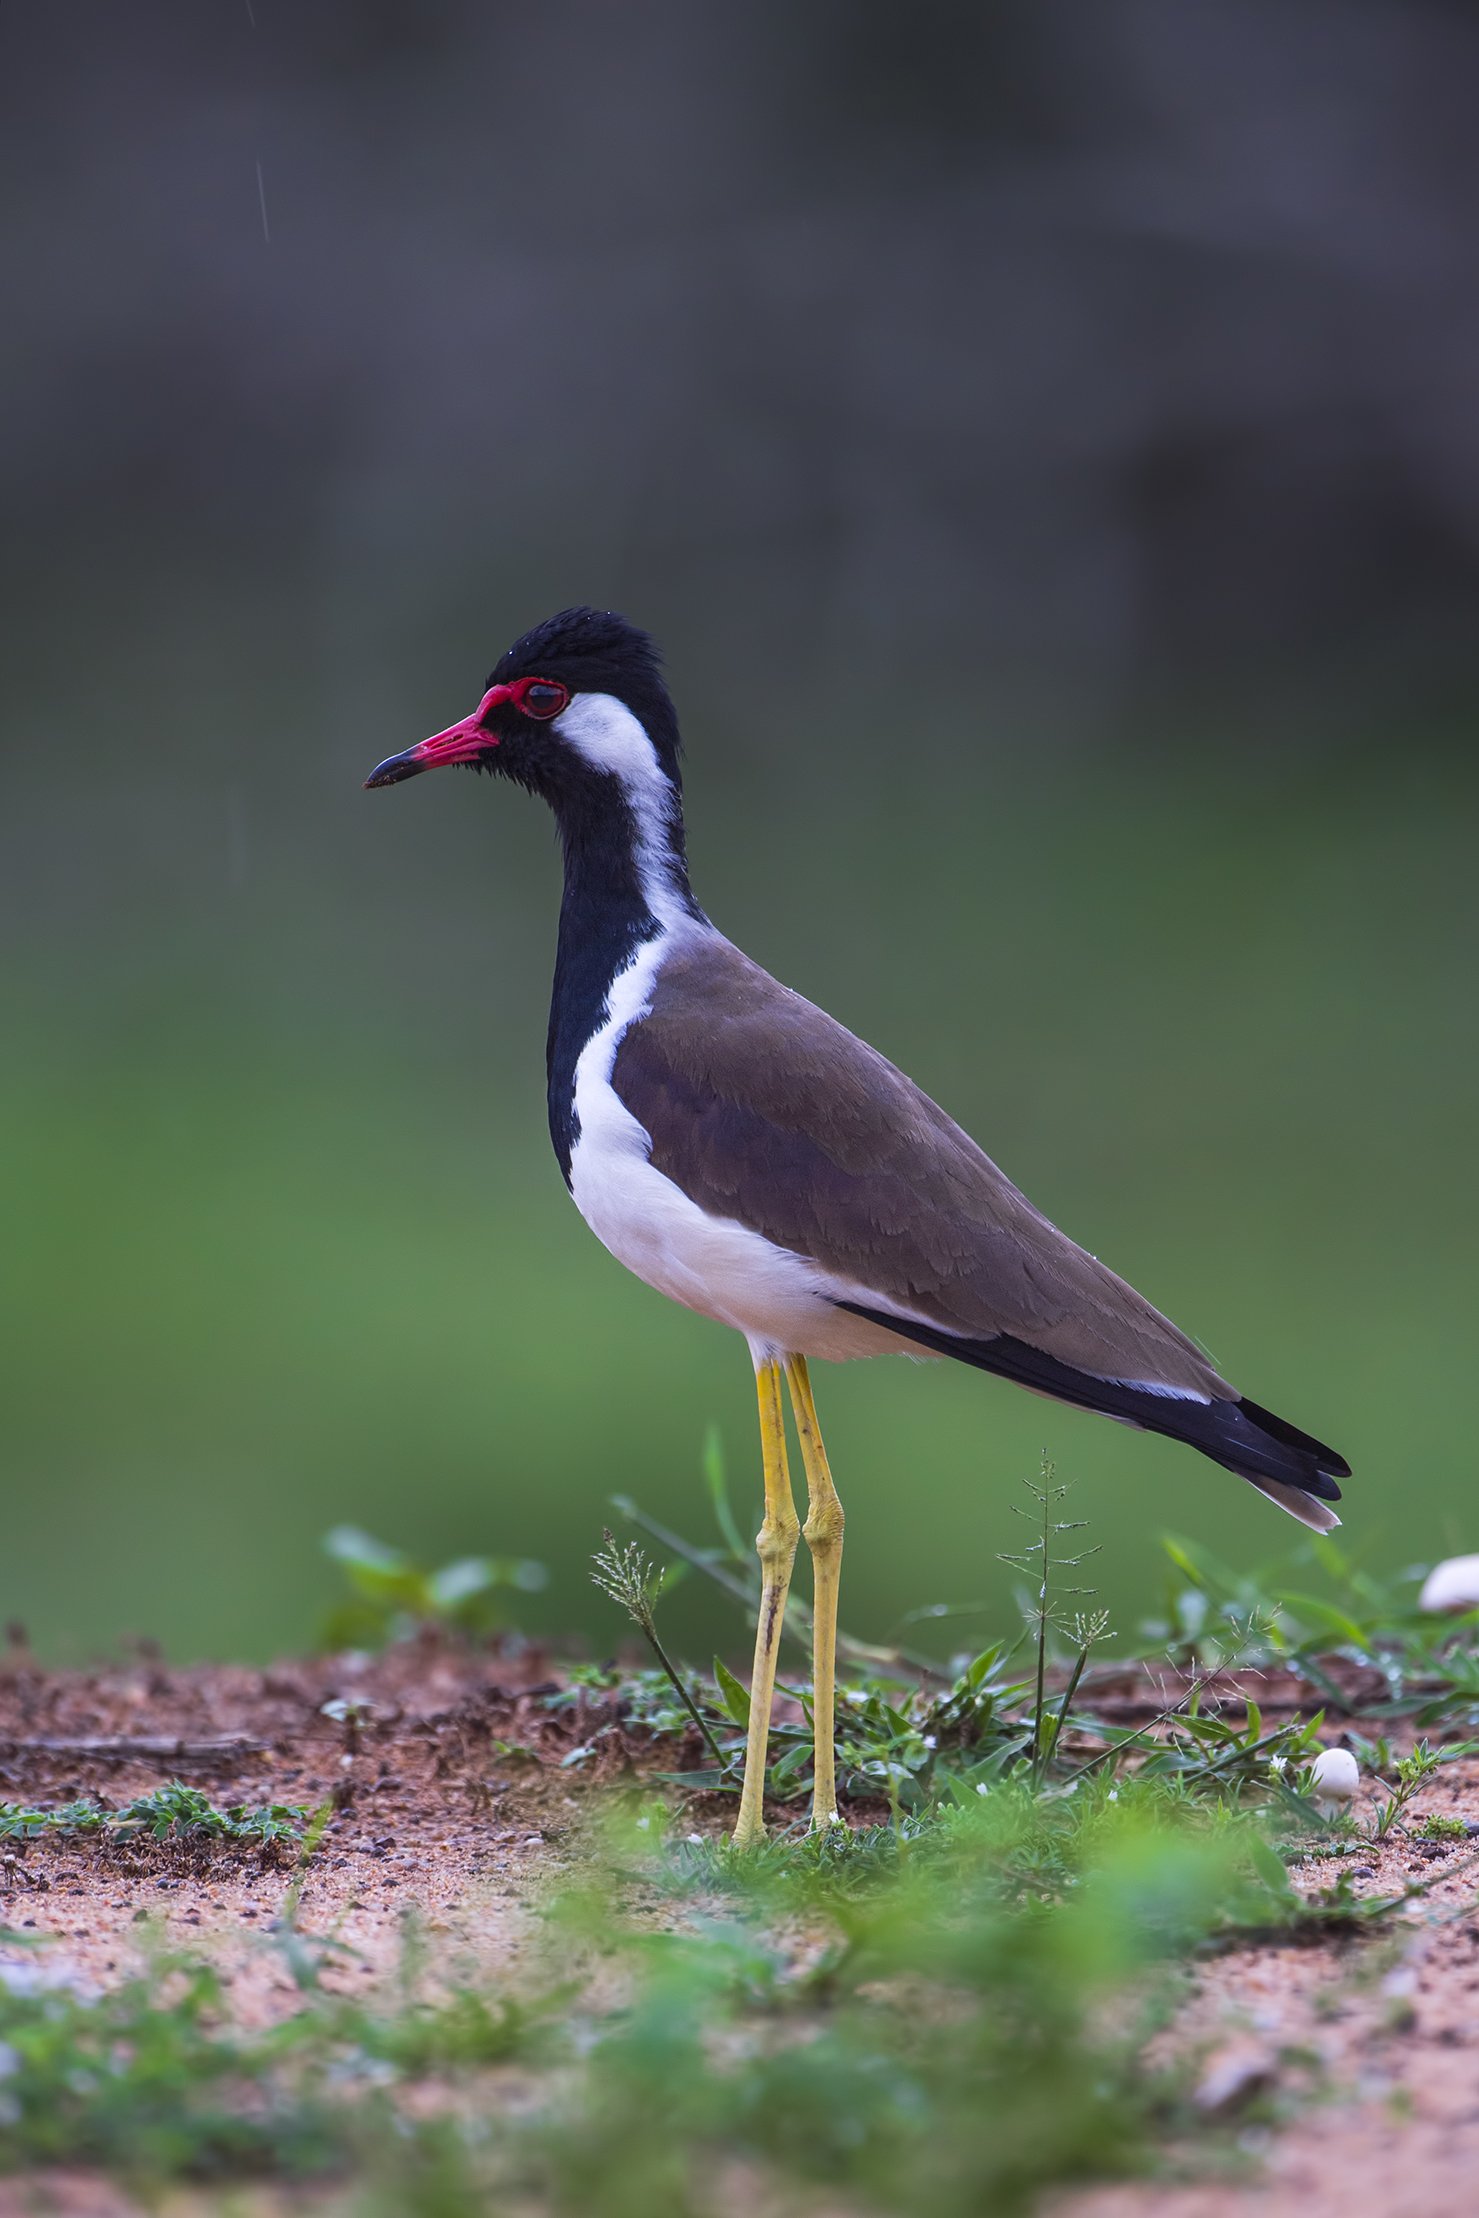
(764,1109)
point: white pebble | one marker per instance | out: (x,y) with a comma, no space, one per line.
(1451,1585)
(1336,1776)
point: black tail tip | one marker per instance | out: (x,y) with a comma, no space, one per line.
(1322,1467)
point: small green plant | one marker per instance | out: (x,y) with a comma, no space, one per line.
(1230,1755)
(392,1598)
(913,1746)
(916,1740)
(1042,1569)
(1413,1773)
(1217,1618)
(634,1585)
(1437,1828)
(353,1712)
(172,1812)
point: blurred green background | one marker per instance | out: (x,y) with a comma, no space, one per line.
(1038,445)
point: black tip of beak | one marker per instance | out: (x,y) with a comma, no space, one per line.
(393,769)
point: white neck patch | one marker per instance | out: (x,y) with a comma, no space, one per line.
(604,732)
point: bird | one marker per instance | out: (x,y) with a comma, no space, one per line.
(744,1153)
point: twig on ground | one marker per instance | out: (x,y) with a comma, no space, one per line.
(125,1745)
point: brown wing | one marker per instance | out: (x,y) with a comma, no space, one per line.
(763,1108)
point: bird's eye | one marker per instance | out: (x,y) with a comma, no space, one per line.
(541,697)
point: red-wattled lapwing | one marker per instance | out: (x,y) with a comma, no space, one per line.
(744,1153)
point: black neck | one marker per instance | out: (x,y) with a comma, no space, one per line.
(623,883)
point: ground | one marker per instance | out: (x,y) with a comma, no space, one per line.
(1355,2052)
(425,1809)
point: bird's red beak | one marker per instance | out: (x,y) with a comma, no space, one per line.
(464,742)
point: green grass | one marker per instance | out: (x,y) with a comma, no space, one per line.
(914,2019)
(912,1732)
(929,2018)
(154,2080)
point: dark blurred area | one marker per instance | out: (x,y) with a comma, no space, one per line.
(1044,439)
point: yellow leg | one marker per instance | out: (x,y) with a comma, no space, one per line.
(776,1543)
(823,1531)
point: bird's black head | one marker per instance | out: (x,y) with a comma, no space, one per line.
(560,706)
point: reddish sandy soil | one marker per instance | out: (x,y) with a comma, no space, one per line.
(447,1796)
(1356,2063)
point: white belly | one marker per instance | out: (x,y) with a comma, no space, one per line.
(781,1302)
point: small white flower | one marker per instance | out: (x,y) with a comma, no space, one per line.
(930,1740)
(1278,1765)
(1451,1585)
(643,1824)
(695,1840)
(1113,1795)
(981,1787)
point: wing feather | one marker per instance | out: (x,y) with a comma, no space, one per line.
(763,1108)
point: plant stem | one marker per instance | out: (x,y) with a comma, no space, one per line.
(1232,1755)
(1039,1755)
(1117,1748)
(1068,1694)
(649,1631)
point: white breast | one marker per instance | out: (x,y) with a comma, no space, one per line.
(781,1302)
